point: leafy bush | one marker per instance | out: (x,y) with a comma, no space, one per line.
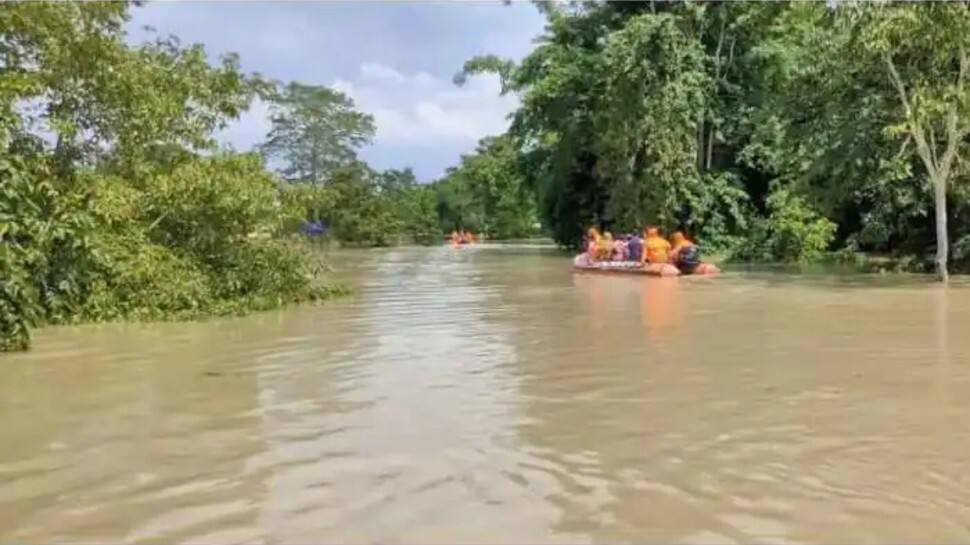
(362,208)
(44,247)
(795,232)
(180,244)
(129,214)
(718,210)
(205,206)
(174,245)
(141,280)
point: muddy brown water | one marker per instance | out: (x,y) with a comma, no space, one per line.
(489,395)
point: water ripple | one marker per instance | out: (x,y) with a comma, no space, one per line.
(458,388)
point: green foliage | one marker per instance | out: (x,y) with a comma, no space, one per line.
(22,225)
(315,131)
(487,193)
(209,204)
(363,208)
(559,84)
(186,244)
(315,134)
(718,210)
(793,232)
(611,130)
(873,97)
(413,205)
(120,217)
(685,114)
(44,247)
(645,144)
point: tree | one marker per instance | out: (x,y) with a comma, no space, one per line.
(315,130)
(414,204)
(108,206)
(102,99)
(612,123)
(646,121)
(561,82)
(487,192)
(924,52)
(866,95)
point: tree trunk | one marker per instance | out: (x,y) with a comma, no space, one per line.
(313,167)
(710,147)
(700,142)
(942,238)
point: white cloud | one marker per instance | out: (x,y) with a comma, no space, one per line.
(415,111)
(395,58)
(250,129)
(420,109)
(381,72)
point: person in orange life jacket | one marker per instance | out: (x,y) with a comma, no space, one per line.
(655,247)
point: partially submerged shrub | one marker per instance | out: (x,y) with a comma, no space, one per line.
(44,249)
(796,232)
(174,245)
(793,232)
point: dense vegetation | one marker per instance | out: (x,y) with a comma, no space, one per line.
(487,193)
(768,130)
(116,202)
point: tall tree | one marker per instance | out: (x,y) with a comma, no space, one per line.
(613,120)
(869,95)
(491,183)
(315,130)
(924,54)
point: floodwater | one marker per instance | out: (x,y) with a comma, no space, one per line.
(489,395)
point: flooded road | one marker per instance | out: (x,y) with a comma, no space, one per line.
(489,395)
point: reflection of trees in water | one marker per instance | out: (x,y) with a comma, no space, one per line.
(613,302)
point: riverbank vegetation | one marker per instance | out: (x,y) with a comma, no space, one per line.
(114,200)
(769,131)
(487,193)
(772,131)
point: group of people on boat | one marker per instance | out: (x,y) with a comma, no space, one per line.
(462,237)
(648,247)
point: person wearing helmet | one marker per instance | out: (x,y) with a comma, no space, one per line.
(684,253)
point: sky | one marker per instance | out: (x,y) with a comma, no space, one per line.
(395,59)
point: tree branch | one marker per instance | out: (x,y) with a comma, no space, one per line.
(915,129)
(902,148)
(898,84)
(952,134)
(720,45)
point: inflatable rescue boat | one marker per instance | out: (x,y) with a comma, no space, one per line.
(582,263)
